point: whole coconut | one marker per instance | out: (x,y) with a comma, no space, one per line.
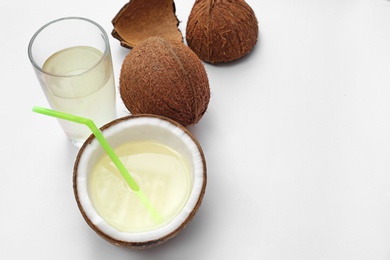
(164,77)
(221,30)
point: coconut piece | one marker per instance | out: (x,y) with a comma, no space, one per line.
(164,77)
(221,30)
(129,129)
(140,19)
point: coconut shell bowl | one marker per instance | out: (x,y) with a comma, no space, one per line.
(138,129)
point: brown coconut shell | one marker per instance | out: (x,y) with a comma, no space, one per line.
(151,243)
(140,19)
(164,77)
(221,30)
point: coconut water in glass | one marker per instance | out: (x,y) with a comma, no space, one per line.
(72,60)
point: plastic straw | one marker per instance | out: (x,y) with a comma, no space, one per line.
(110,152)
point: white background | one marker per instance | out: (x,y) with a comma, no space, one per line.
(296,138)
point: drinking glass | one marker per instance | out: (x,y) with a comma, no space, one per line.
(72,61)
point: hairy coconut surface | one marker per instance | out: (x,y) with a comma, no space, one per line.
(140,19)
(164,77)
(221,30)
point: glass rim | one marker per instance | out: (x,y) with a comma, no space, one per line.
(32,40)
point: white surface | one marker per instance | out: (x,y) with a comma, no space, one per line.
(296,137)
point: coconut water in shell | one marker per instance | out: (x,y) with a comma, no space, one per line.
(162,175)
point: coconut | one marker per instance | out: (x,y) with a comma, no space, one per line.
(132,129)
(164,77)
(221,30)
(139,19)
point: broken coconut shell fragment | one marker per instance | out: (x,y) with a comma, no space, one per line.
(140,19)
(164,77)
(221,30)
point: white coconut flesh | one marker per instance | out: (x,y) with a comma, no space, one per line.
(142,128)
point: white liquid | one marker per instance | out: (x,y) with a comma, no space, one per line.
(80,85)
(162,175)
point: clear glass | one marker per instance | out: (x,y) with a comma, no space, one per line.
(72,60)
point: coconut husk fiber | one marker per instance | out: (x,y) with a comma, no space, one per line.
(140,19)
(164,77)
(221,30)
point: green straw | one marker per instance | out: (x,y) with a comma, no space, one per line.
(110,152)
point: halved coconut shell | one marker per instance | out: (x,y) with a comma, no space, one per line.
(141,19)
(140,128)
